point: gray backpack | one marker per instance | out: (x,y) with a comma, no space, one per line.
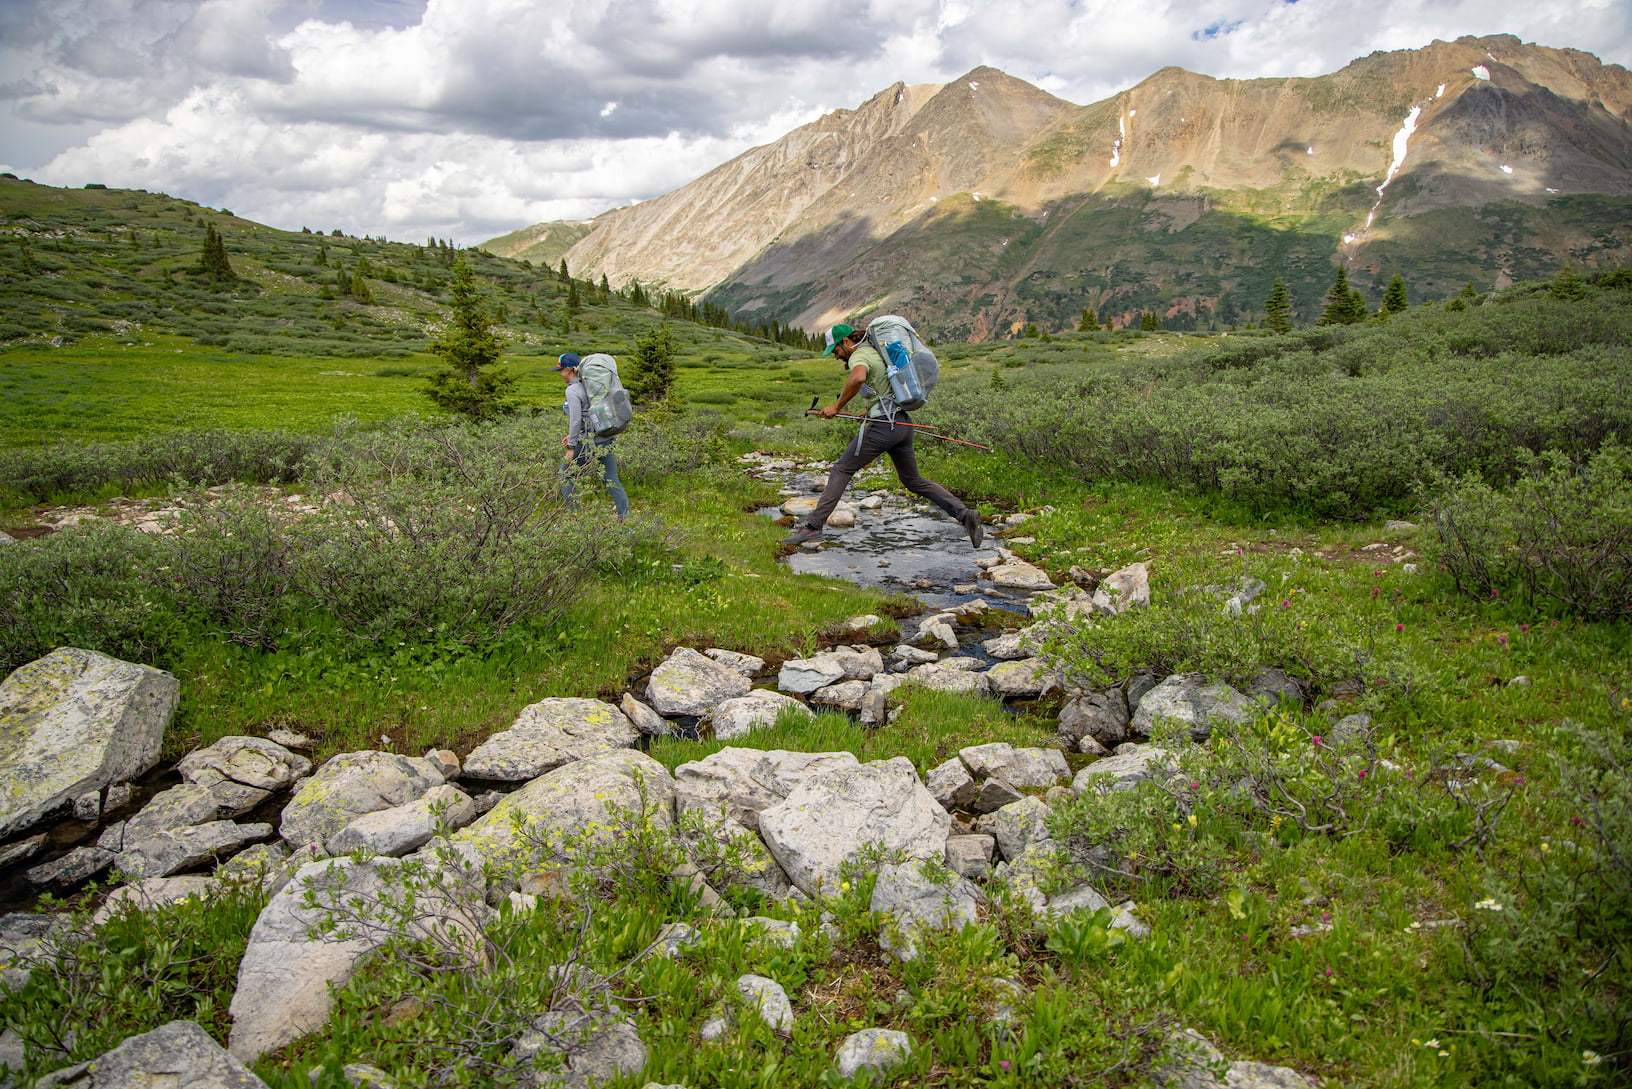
(609,407)
(911,367)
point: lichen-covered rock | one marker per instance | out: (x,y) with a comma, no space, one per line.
(769,1000)
(286,973)
(404,828)
(743,782)
(1131,765)
(689,683)
(72,722)
(741,715)
(1187,698)
(993,795)
(177,1055)
(571,810)
(643,718)
(350,785)
(1123,590)
(844,696)
(913,898)
(1015,826)
(1017,767)
(242,772)
(72,869)
(959,681)
(1025,679)
(548,734)
(576,1050)
(1088,899)
(832,815)
(185,805)
(166,853)
(877,1050)
(714,834)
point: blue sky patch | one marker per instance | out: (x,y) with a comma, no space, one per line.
(1218,29)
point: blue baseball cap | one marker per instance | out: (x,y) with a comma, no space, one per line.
(568,359)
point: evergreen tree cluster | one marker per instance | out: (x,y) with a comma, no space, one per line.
(213,261)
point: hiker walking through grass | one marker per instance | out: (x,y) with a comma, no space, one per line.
(581,442)
(882,432)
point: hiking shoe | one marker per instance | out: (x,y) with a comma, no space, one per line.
(971,522)
(801,535)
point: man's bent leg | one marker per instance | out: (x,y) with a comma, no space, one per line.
(906,467)
(861,452)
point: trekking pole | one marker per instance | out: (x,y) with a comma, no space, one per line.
(927,430)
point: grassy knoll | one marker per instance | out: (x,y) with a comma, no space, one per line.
(1435,898)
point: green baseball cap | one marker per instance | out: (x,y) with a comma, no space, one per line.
(836,334)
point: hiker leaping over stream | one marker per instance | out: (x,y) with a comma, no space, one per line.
(885,428)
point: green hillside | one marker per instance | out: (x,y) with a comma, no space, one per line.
(110,327)
(542,243)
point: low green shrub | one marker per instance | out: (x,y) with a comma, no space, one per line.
(207,457)
(1561,534)
(91,986)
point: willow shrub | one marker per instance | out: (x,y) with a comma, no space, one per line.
(1562,533)
(446,535)
(1331,423)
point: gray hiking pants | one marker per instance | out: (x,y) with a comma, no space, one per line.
(879,437)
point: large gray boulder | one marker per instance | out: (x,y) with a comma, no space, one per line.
(1187,698)
(769,1000)
(1024,679)
(1190,1061)
(1101,716)
(571,810)
(550,733)
(155,892)
(578,1050)
(1086,898)
(830,817)
(166,853)
(962,682)
(242,772)
(178,1055)
(952,785)
(185,805)
(689,683)
(741,783)
(741,857)
(74,722)
(1131,765)
(1015,826)
(1020,575)
(913,899)
(287,971)
(405,828)
(1123,590)
(741,715)
(1017,767)
(350,785)
(644,719)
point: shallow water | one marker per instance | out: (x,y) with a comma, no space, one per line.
(905,546)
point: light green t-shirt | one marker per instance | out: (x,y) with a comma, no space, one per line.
(878,382)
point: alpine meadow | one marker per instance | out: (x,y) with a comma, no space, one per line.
(1278,735)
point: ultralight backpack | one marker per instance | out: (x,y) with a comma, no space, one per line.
(609,407)
(911,367)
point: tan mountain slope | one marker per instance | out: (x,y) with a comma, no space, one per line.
(991,197)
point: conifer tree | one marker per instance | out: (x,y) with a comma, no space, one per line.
(562,274)
(1088,323)
(606,290)
(213,261)
(1395,299)
(1278,309)
(1150,321)
(654,358)
(1358,310)
(470,386)
(1339,308)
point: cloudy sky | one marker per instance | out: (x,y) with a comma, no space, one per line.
(464,119)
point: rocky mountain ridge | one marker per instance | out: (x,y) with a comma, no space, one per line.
(985,203)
